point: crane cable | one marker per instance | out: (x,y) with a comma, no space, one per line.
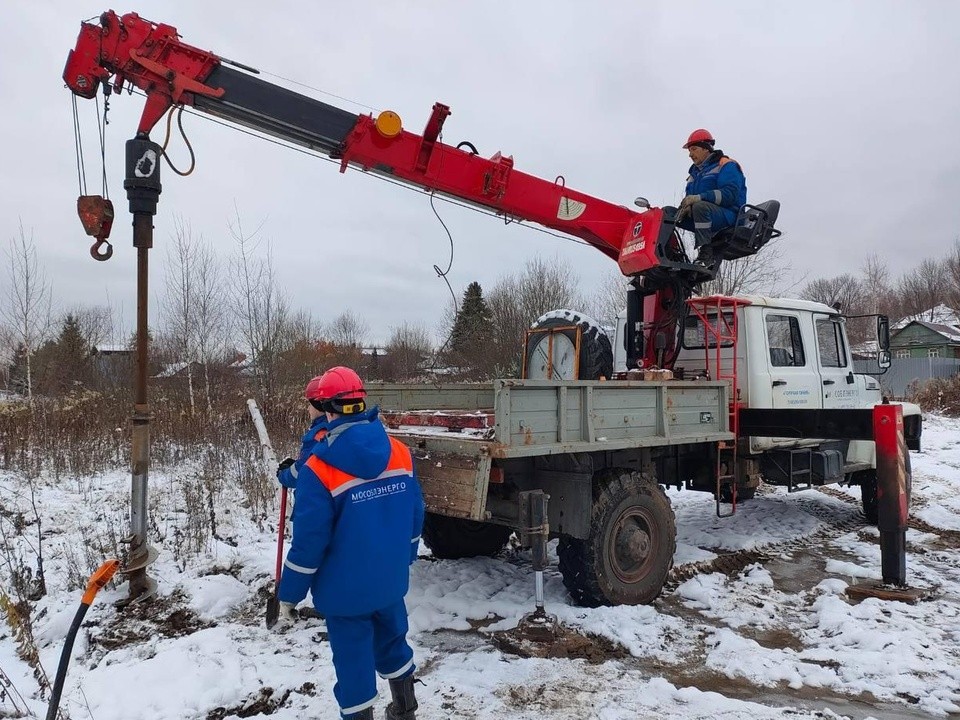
(102,123)
(78,148)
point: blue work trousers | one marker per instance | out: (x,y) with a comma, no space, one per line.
(363,645)
(706,220)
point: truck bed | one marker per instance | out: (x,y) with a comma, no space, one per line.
(458,431)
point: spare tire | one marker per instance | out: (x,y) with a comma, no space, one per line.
(553,356)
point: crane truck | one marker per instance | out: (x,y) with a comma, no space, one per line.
(705,393)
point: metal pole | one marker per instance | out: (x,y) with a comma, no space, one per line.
(142,184)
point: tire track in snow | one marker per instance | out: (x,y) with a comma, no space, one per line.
(833,525)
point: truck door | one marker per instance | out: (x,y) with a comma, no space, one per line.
(836,375)
(794,380)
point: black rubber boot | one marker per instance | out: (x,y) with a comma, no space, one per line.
(705,256)
(404,703)
(362,715)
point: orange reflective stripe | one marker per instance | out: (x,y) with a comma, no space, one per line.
(399,457)
(321,434)
(331,477)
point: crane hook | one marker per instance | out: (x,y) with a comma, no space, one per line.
(96,215)
(95,252)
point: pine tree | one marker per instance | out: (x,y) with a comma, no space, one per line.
(471,333)
(72,363)
(17,372)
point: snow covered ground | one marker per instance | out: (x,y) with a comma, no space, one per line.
(777,639)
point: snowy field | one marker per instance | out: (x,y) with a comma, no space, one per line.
(774,639)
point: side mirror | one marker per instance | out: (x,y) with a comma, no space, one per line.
(883,333)
(883,359)
(642,202)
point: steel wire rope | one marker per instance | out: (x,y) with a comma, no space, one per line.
(102,132)
(78,148)
(316,89)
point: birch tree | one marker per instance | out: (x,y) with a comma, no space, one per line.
(260,306)
(211,321)
(27,306)
(180,301)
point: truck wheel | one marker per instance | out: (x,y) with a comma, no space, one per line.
(868,494)
(596,352)
(633,537)
(452,538)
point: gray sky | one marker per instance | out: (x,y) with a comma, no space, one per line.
(847,112)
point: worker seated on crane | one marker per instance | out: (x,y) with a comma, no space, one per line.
(716,190)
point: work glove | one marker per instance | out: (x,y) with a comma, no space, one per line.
(688,201)
(288,614)
(284,464)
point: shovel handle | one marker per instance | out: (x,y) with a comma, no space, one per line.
(281,527)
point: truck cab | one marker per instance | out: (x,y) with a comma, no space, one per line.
(790,354)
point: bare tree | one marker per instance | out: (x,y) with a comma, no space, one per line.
(876,288)
(211,321)
(261,307)
(179,304)
(409,345)
(924,288)
(953,276)
(767,272)
(517,300)
(347,330)
(28,302)
(610,297)
(850,296)
(843,292)
(95,323)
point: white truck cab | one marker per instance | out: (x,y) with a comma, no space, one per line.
(790,354)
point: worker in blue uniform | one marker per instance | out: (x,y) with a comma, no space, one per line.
(357,524)
(716,190)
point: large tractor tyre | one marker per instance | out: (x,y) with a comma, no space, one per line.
(452,538)
(633,536)
(868,494)
(558,363)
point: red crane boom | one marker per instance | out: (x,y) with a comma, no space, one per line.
(128,51)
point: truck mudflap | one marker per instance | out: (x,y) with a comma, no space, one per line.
(912,429)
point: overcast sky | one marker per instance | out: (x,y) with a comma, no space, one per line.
(847,112)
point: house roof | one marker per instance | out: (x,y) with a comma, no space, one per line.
(950,333)
(112,348)
(172,370)
(940,315)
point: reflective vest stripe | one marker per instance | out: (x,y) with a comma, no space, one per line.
(337,481)
(300,568)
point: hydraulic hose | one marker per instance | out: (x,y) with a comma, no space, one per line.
(96,582)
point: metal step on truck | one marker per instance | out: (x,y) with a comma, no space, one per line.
(603,450)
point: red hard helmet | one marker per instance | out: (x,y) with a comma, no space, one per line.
(699,136)
(338,390)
